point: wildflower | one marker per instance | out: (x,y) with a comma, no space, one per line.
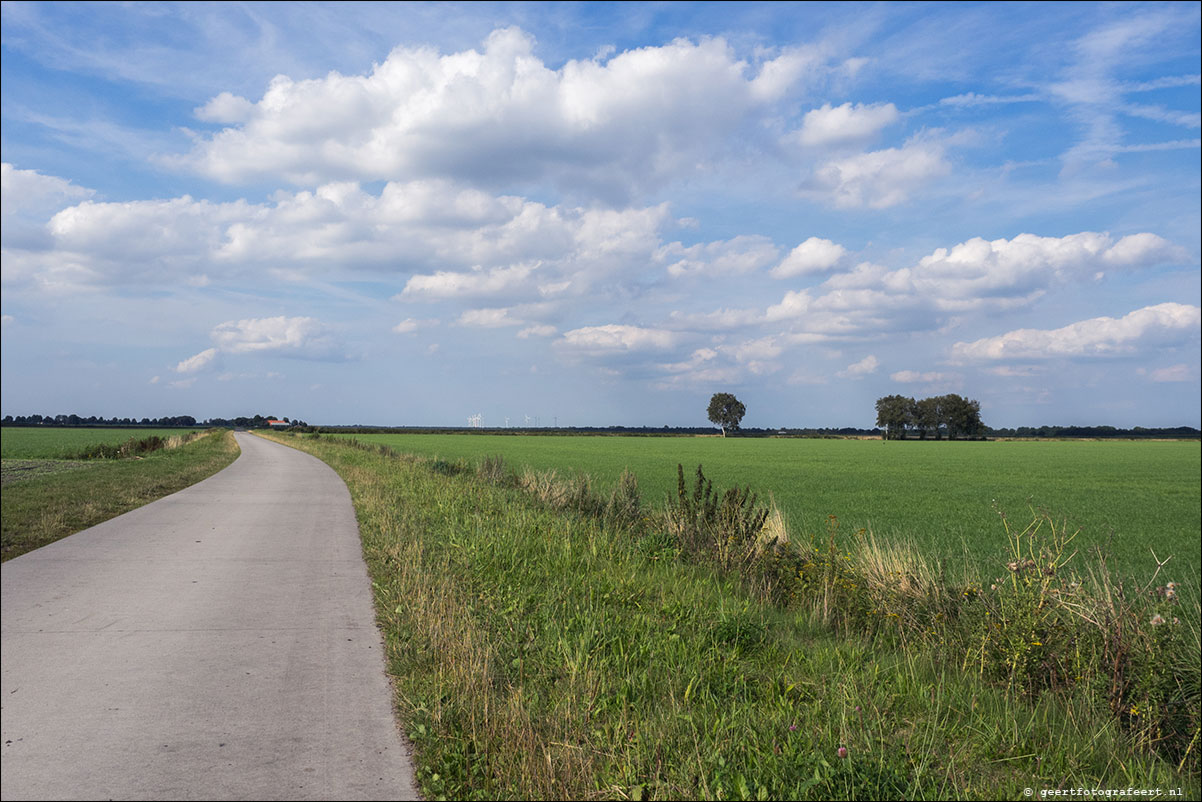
(841,751)
(792,728)
(1157,620)
(1013,566)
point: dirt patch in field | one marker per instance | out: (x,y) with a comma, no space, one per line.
(16,470)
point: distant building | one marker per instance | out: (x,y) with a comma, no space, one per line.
(271,422)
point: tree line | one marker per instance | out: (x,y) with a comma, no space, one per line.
(168,421)
(939,416)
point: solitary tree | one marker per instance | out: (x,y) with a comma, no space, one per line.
(726,411)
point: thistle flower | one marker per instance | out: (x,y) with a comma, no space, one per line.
(841,751)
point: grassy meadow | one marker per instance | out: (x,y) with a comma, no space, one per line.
(46,499)
(1125,496)
(547,640)
(38,442)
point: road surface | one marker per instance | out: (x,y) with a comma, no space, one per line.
(219,643)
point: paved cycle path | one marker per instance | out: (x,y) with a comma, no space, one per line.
(219,643)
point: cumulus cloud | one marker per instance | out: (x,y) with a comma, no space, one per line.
(410,325)
(742,254)
(916,377)
(1152,326)
(973,276)
(615,339)
(198,362)
(858,370)
(28,191)
(478,244)
(877,179)
(298,337)
(846,124)
(815,255)
(27,199)
(488,318)
(537,331)
(476,282)
(225,108)
(499,114)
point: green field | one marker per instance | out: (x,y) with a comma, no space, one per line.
(1127,496)
(547,646)
(48,499)
(65,443)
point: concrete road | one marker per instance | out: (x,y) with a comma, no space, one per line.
(219,643)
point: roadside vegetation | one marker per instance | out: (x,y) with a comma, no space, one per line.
(46,499)
(1125,497)
(552,638)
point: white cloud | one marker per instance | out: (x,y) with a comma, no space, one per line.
(1153,326)
(880,178)
(477,282)
(497,114)
(225,108)
(846,124)
(975,276)
(858,370)
(488,318)
(1174,373)
(916,377)
(616,339)
(27,199)
(198,362)
(778,75)
(537,331)
(978,272)
(973,99)
(410,325)
(30,191)
(742,254)
(480,245)
(815,255)
(300,337)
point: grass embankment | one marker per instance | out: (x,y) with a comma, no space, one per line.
(63,443)
(52,499)
(1124,496)
(543,653)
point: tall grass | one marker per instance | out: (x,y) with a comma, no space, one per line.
(548,640)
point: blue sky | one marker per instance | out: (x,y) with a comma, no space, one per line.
(601,214)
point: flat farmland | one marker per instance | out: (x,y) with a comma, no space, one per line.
(1125,496)
(64,443)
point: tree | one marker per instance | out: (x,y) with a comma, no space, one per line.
(962,415)
(926,417)
(895,413)
(726,411)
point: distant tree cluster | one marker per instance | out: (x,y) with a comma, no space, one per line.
(940,416)
(92,420)
(253,422)
(1174,432)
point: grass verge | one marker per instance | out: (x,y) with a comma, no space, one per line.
(56,503)
(543,653)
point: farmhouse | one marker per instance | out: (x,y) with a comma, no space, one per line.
(280,423)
